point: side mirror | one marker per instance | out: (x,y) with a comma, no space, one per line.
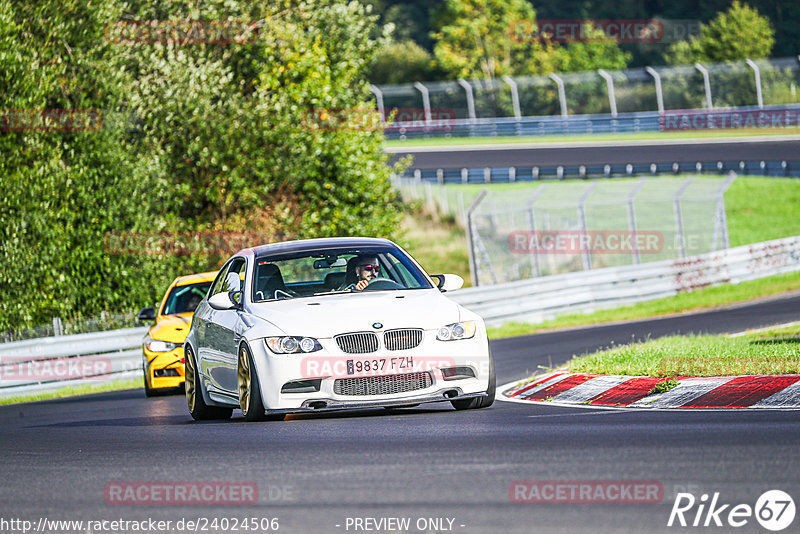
(225,300)
(448,282)
(147,314)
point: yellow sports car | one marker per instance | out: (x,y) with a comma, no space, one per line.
(163,344)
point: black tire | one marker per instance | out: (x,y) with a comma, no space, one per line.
(148,391)
(480,402)
(198,408)
(249,391)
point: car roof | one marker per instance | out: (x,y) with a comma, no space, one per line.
(310,244)
(195,278)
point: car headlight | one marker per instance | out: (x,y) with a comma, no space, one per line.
(155,345)
(292,344)
(455,331)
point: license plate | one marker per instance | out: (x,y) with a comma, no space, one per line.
(379,366)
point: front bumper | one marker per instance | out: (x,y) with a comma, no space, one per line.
(325,405)
(164,369)
(274,371)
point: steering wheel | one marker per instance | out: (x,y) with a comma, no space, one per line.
(382,283)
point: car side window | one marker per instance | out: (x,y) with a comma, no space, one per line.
(225,279)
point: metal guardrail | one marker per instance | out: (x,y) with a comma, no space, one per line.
(50,363)
(539,299)
(489,175)
(116,354)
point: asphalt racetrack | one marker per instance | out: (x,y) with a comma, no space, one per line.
(445,471)
(764,148)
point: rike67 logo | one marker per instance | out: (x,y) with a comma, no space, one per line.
(774,510)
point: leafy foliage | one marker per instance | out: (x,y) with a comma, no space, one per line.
(269,136)
(736,34)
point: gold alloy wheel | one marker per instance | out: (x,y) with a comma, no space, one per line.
(189,379)
(245,380)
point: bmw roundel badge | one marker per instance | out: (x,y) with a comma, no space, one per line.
(377,325)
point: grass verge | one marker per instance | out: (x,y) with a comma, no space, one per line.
(697,356)
(709,297)
(75,390)
(694,134)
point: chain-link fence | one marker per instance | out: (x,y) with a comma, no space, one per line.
(543,229)
(768,82)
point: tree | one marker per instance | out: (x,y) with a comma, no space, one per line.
(402,62)
(736,34)
(272,136)
(477,39)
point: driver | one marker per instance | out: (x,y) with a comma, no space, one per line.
(367,268)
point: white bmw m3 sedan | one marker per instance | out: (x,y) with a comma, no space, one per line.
(331,324)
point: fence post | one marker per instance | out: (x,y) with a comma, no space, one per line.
(720,219)
(426,102)
(757,74)
(587,256)
(58,327)
(562,95)
(472,264)
(676,205)
(612,98)
(532,225)
(470,98)
(659,93)
(706,83)
(379,99)
(514,96)
(632,219)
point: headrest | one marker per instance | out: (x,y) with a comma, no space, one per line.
(334,280)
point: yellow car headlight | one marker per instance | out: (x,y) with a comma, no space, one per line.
(155,345)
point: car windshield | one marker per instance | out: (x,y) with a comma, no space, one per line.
(335,270)
(184,299)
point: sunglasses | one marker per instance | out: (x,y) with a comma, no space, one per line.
(371,268)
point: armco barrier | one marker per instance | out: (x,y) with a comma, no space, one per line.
(525,301)
(540,299)
(44,364)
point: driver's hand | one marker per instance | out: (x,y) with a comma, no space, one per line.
(362,284)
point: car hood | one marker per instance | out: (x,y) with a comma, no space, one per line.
(172,328)
(329,315)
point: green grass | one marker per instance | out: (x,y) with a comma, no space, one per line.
(75,390)
(694,134)
(702,298)
(439,246)
(675,356)
(760,209)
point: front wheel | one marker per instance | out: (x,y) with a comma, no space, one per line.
(249,391)
(194,395)
(480,402)
(148,391)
